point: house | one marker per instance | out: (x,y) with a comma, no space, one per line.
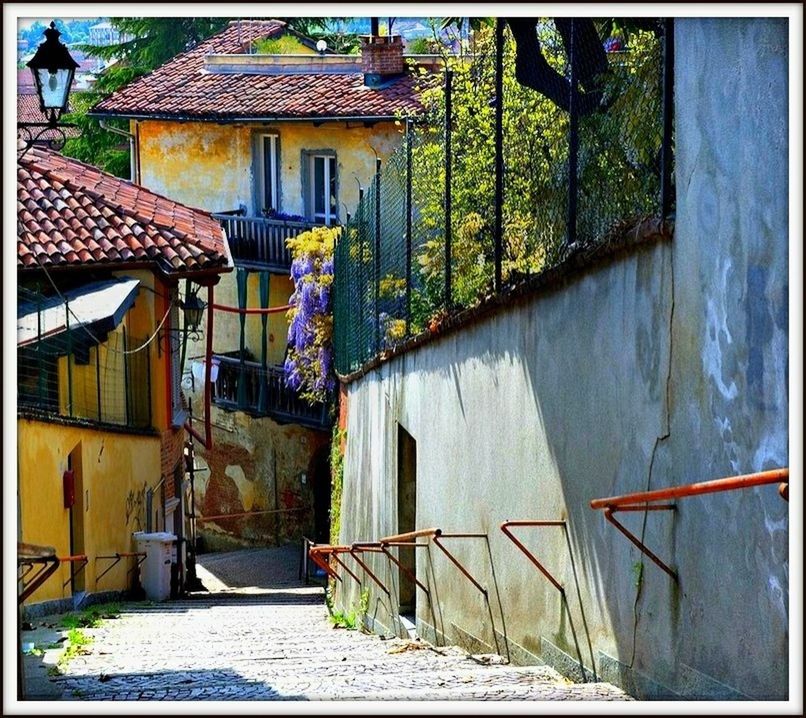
(520,434)
(100,415)
(273,145)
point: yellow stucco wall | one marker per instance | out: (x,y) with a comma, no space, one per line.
(207,165)
(106,364)
(115,470)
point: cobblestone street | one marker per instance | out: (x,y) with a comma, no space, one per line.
(260,634)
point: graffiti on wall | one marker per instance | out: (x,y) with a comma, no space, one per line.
(135,507)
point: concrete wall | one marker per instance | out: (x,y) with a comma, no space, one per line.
(663,368)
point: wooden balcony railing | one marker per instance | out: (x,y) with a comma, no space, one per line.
(259,242)
(248,386)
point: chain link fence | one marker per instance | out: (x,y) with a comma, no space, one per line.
(543,138)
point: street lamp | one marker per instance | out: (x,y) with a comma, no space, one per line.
(53,69)
(193,309)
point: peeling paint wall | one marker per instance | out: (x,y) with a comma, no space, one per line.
(665,367)
(256,465)
(209,165)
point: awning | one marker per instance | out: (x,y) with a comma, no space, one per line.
(95,309)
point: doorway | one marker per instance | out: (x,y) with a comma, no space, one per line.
(76,519)
(320,482)
(407,519)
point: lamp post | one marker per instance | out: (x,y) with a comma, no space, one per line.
(53,69)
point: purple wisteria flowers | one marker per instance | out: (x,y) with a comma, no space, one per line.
(309,363)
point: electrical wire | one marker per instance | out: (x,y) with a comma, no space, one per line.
(143,346)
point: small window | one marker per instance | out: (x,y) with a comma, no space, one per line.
(322,200)
(267,175)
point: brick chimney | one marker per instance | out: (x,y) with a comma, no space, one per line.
(381,58)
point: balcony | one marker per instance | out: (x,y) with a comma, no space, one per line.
(264,393)
(258,242)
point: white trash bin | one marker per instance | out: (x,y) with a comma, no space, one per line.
(156,569)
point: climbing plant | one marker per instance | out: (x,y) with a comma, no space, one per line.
(309,363)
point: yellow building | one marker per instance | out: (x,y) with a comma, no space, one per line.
(273,145)
(100,411)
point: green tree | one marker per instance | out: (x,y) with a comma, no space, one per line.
(151,42)
(618,170)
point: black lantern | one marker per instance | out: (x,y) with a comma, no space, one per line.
(193,308)
(53,71)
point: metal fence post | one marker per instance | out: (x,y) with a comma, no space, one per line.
(573,141)
(499,149)
(362,281)
(98,379)
(448,178)
(377,257)
(40,373)
(408,227)
(69,353)
(126,377)
(668,115)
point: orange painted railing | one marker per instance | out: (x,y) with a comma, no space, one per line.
(548,522)
(641,501)
(435,534)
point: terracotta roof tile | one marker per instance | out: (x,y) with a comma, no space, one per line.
(61,221)
(28,111)
(183,88)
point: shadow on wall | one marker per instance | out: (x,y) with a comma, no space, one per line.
(601,412)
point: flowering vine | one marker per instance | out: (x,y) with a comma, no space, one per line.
(309,363)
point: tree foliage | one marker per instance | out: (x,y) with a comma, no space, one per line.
(618,165)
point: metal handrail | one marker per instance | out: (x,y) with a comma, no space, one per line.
(116,558)
(30,555)
(435,534)
(641,501)
(526,522)
(78,558)
(743,481)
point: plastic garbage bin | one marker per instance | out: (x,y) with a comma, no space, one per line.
(156,569)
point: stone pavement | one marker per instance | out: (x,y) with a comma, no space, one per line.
(260,634)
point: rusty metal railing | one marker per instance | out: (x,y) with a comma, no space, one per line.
(559,523)
(533,523)
(29,556)
(116,558)
(435,534)
(643,501)
(79,559)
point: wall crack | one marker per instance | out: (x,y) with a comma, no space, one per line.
(666,433)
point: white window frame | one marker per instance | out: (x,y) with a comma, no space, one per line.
(260,198)
(328,217)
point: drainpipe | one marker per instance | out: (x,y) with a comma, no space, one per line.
(132,147)
(208,367)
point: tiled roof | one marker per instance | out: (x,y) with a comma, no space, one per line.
(28,111)
(182,88)
(73,214)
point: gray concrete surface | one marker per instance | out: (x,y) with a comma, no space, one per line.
(268,638)
(666,367)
